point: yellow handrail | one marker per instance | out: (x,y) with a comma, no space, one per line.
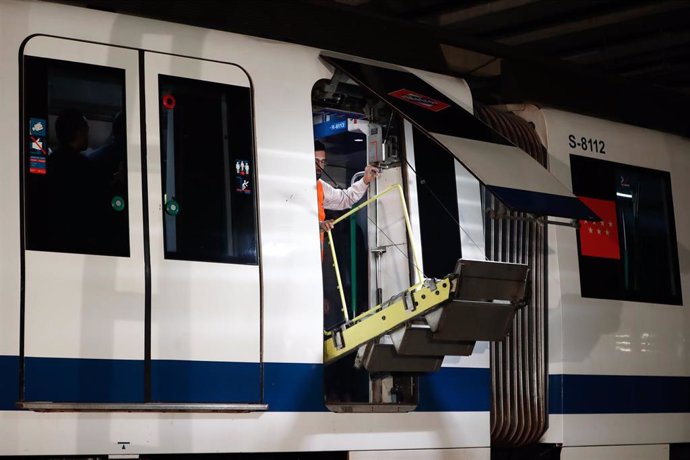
(408,225)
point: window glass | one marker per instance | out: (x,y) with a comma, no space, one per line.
(631,254)
(75,158)
(438,207)
(208,171)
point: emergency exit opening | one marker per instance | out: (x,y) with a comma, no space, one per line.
(411,321)
(370,246)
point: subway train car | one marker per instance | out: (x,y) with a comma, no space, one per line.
(515,276)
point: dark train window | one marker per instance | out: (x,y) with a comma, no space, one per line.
(631,254)
(75,158)
(208,169)
(438,208)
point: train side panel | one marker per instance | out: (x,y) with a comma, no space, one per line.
(620,369)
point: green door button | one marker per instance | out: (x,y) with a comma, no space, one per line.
(118,203)
(172,208)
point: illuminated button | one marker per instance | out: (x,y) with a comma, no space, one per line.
(172,208)
(118,203)
(169,101)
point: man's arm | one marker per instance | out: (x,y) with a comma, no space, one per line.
(336,199)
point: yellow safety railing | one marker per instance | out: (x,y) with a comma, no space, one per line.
(408,225)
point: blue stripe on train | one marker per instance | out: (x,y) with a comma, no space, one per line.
(84,380)
(618,394)
(292,387)
(298,387)
(460,389)
(204,381)
(107,381)
(288,387)
(9,382)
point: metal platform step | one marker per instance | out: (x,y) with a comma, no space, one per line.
(483,280)
(419,340)
(463,320)
(382,357)
(484,304)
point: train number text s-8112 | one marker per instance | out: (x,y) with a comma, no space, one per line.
(586,144)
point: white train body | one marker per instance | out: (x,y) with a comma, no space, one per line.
(83,313)
(629,342)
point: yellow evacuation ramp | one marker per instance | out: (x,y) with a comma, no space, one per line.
(382,319)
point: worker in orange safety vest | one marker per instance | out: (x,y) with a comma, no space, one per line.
(333,198)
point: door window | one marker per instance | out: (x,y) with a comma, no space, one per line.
(208,171)
(75,158)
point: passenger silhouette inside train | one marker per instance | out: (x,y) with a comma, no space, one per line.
(109,159)
(109,166)
(75,208)
(67,183)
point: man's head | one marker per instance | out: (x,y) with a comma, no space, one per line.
(319,158)
(72,129)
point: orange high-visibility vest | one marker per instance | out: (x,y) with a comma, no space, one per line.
(322,212)
(319,196)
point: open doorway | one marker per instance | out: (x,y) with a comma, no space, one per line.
(369,250)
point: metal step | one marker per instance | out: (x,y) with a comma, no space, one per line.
(484,303)
(418,340)
(382,357)
(483,280)
(461,320)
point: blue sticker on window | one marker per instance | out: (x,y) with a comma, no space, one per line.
(37,127)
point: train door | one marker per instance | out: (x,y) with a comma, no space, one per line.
(137,287)
(205,308)
(83,250)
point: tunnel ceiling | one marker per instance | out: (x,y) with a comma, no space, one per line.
(625,60)
(647,41)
